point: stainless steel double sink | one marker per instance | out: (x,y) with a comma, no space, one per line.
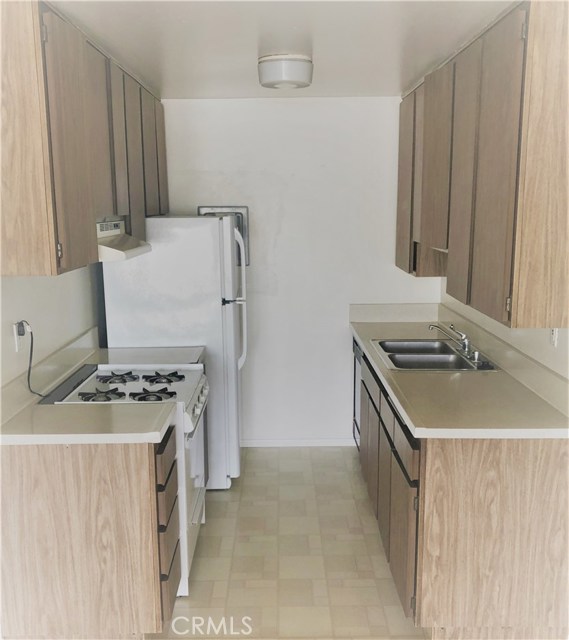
(429,355)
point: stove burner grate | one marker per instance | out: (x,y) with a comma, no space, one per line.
(102,396)
(152,396)
(118,378)
(164,378)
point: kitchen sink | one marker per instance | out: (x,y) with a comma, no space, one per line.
(429,355)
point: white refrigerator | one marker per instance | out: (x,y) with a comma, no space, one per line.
(190,291)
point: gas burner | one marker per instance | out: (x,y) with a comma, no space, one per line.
(164,378)
(152,396)
(118,378)
(102,396)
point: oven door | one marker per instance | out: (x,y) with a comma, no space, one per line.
(195,454)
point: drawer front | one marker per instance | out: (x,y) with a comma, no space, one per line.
(165,456)
(169,586)
(409,456)
(166,496)
(168,539)
(371,384)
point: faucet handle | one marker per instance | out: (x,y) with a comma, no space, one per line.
(458,333)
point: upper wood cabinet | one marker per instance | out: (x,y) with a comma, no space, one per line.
(48,164)
(411,253)
(161,149)
(133,119)
(519,261)
(117,109)
(494,191)
(98,130)
(464,153)
(497,167)
(150,154)
(437,145)
(540,285)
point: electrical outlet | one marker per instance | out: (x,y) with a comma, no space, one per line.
(17,337)
(554,337)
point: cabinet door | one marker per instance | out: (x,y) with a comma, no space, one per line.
(161,149)
(119,142)
(403,245)
(364,429)
(384,488)
(402,536)
(66,68)
(150,155)
(465,136)
(133,120)
(437,140)
(97,115)
(373,456)
(500,105)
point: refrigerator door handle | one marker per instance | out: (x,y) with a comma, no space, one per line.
(243,299)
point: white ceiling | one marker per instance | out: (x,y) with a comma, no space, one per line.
(190,49)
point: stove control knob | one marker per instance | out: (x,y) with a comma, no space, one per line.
(197,410)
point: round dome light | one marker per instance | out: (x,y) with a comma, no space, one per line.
(285,71)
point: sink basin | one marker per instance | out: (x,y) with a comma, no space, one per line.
(428,355)
(416,346)
(438,361)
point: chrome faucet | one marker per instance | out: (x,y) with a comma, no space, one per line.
(463,342)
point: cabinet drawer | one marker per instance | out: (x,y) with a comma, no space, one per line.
(166,496)
(165,455)
(169,586)
(370,383)
(168,539)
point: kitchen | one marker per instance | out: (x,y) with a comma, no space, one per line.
(305,168)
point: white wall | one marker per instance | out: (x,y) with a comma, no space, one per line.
(59,309)
(320,178)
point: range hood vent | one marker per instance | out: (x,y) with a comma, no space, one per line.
(115,244)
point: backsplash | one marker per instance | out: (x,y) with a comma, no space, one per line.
(59,309)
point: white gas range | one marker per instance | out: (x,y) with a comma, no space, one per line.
(184,384)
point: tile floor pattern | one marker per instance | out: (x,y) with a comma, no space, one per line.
(294,546)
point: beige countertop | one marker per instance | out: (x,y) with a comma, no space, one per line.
(466,404)
(97,423)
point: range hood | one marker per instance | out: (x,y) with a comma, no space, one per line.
(115,244)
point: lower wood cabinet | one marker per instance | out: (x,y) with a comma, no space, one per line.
(83,553)
(475,531)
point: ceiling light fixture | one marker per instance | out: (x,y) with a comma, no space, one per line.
(285,71)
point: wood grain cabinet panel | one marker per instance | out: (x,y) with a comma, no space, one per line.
(540,290)
(403,246)
(28,241)
(133,119)
(500,108)
(402,536)
(411,254)
(79,541)
(364,428)
(373,456)
(464,156)
(97,117)
(162,165)
(437,147)
(384,488)
(150,155)
(120,164)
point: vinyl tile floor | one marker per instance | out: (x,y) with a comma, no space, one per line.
(292,550)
